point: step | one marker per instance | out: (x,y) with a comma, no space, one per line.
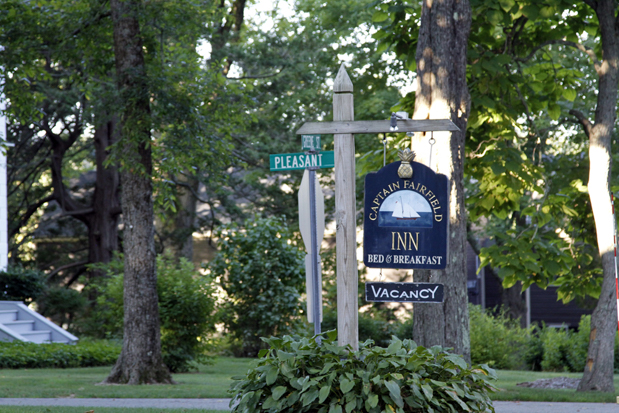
(7,316)
(38,336)
(20,326)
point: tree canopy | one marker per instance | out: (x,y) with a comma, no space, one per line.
(538,106)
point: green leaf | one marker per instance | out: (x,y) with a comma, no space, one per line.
(379,16)
(531,11)
(282,355)
(505,272)
(272,375)
(495,17)
(507,5)
(554,111)
(278,392)
(346,385)
(394,347)
(569,94)
(547,12)
(269,403)
(394,392)
(335,408)
(427,391)
(373,400)
(309,397)
(487,202)
(324,393)
(327,367)
(552,267)
(457,360)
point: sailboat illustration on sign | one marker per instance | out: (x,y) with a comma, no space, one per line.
(404,211)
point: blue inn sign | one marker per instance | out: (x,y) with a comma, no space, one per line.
(406,220)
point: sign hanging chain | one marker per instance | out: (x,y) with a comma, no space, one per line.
(432,141)
(384,150)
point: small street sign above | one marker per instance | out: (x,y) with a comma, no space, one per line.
(310,142)
(302,160)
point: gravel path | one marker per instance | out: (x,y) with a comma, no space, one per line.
(222,404)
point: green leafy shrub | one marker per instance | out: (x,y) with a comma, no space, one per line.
(21,284)
(186,310)
(534,353)
(17,354)
(553,349)
(263,275)
(301,376)
(565,350)
(497,340)
(372,326)
(554,344)
(578,345)
(61,305)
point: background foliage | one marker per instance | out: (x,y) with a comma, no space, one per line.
(186,308)
(19,355)
(262,273)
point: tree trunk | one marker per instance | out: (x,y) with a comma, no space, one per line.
(181,227)
(442,94)
(598,374)
(140,360)
(103,228)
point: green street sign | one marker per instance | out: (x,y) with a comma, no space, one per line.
(302,160)
(310,142)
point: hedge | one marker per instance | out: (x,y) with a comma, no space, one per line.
(17,354)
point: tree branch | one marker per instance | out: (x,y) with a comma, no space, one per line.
(591,3)
(97,18)
(79,212)
(582,119)
(256,77)
(474,154)
(66,267)
(29,212)
(193,192)
(578,46)
(527,111)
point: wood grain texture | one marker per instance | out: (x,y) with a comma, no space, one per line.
(342,83)
(345,216)
(376,126)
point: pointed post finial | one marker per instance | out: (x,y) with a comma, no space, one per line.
(342,83)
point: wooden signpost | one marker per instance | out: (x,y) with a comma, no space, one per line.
(311,215)
(344,127)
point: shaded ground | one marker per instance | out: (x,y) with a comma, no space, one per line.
(553,383)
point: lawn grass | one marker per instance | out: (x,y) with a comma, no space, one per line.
(510,392)
(211,381)
(63,409)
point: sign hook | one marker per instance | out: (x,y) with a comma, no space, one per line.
(384,150)
(431,141)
